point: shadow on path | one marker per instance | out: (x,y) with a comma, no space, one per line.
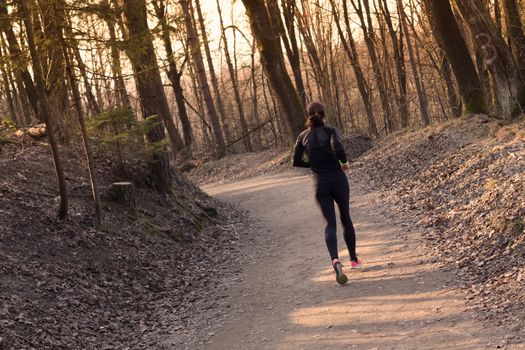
(289,298)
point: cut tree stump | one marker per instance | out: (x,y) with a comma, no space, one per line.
(123,193)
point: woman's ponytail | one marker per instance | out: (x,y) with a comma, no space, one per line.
(315,115)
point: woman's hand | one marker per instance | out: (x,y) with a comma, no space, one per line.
(345,167)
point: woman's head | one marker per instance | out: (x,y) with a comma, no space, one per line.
(315,115)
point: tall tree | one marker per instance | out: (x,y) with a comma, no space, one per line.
(213,75)
(350,48)
(446,30)
(234,80)
(422,98)
(77,100)
(21,69)
(43,106)
(141,53)
(362,9)
(174,75)
(292,48)
(516,34)
(56,85)
(273,63)
(198,62)
(396,37)
(496,55)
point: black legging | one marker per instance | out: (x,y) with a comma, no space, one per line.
(332,187)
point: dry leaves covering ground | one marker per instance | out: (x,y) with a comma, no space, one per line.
(67,285)
(464,184)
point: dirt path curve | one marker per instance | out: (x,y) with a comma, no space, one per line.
(288,298)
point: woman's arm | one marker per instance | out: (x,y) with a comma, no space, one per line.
(298,153)
(337,146)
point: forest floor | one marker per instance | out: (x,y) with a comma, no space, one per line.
(142,275)
(439,214)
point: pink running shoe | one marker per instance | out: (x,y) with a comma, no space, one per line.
(356,264)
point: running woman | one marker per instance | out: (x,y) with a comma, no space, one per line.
(327,160)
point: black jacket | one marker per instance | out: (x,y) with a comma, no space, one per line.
(323,148)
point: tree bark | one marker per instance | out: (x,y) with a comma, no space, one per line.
(92,102)
(350,49)
(173,73)
(496,55)
(16,54)
(366,26)
(55,73)
(516,34)
(399,59)
(153,100)
(43,107)
(446,30)
(198,62)
(213,76)
(116,68)
(423,105)
(83,130)
(233,77)
(273,63)
(287,32)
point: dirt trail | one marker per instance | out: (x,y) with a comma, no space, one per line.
(288,297)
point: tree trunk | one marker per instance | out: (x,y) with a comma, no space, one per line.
(350,49)
(453,100)
(16,54)
(43,107)
(81,119)
(213,76)
(55,73)
(366,26)
(423,105)
(116,69)
(233,77)
(273,63)
(287,32)
(446,30)
(317,58)
(9,96)
(516,35)
(399,59)
(173,73)
(141,53)
(198,62)
(92,102)
(496,55)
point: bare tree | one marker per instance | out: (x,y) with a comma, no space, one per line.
(516,34)
(234,80)
(43,106)
(151,91)
(350,48)
(446,30)
(81,119)
(422,98)
(496,55)
(198,62)
(273,62)
(174,75)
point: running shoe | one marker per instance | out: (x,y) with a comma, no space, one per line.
(340,277)
(356,264)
